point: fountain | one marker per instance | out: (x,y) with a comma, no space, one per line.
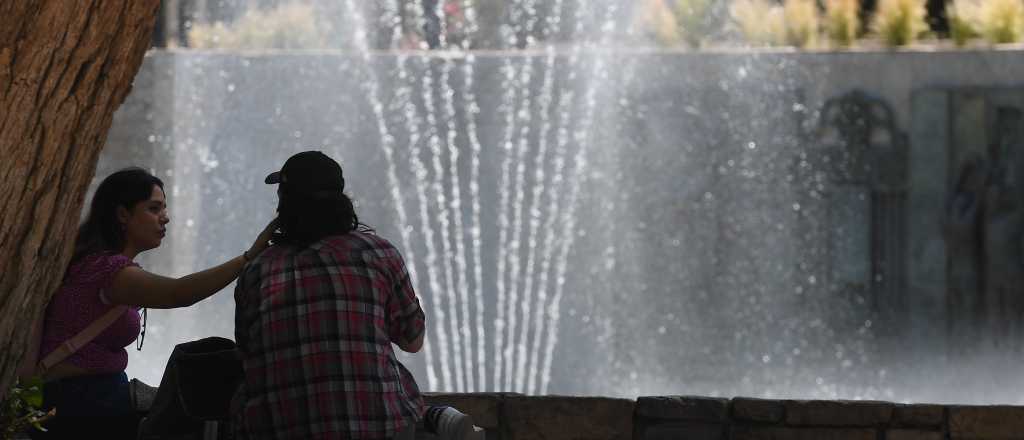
(580,216)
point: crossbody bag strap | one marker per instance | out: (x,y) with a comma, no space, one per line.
(83,337)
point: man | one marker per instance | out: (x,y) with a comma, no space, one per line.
(316,315)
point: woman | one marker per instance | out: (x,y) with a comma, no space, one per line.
(127,216)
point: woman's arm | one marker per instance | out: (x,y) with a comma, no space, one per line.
(137,287)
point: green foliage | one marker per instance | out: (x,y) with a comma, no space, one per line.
(760,21)
(802,22)
(21,410)
(659,23)
(694,21)
(1002,21)
(296,24)
(900,22)
(842,21)
(291,25)
(674,22)
(964,20)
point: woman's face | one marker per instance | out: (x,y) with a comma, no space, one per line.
(146,223)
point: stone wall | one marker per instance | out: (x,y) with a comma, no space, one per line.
(516,417)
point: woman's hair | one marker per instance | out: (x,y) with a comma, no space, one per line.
(302,221)
(101,231)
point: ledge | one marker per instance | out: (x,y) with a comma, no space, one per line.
(511,416)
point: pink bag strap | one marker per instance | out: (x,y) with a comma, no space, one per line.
(83,337)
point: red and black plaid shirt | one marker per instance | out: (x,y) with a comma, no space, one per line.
(315,326)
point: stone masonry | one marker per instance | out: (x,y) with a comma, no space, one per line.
(510,416)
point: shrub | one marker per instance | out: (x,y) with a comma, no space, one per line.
(964,20)
(21,409)
(842,21)
(659,23)
(801,22)
(900,22)
(760,21)
(290,25)
(1002,21)
(693,18)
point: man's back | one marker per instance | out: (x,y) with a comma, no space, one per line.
(315,326)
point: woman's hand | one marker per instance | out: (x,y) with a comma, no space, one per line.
(134,286)
(262,240)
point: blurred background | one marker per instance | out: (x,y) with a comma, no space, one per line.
(614,197)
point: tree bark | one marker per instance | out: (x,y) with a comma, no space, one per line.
(65,67)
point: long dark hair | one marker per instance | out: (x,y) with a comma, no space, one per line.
(302,220)
(101,232)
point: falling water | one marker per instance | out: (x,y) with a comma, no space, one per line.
(546,98)
(441,205)
(581,137)
(472,109)
(511,91)
(524,116)
(419,171)
(372,86)
(525,313)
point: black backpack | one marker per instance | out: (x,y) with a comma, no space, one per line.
(197,386)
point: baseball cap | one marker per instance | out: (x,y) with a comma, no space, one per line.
(311,174)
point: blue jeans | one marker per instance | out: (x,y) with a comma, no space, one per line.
(94,406)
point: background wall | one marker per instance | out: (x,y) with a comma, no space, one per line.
(688,265)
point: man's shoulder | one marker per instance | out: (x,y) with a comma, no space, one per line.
(359,240)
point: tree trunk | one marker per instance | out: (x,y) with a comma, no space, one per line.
(65,66)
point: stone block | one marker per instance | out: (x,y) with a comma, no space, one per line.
(484,407)
(704,409)
(757,410)
(792,433)
(918,416)
(566,418)
(837,413)
(912,434)
(986,422)
(682,430)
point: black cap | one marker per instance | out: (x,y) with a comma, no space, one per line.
(311,174)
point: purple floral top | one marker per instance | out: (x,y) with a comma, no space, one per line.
(78,303)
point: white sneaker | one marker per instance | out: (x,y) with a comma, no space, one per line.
(454,425)
(478,433)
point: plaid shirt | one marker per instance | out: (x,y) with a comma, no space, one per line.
(315,326)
